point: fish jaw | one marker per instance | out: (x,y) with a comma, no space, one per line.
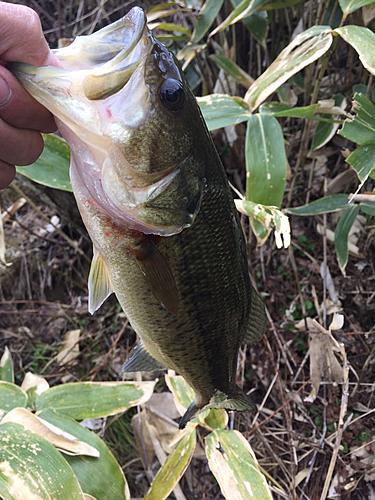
(110,109)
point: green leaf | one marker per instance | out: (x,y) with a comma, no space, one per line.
(216,419)
(367,208)
(256,23)
(279,4)
(360,128)
(326,130)
(207,15)
(171,27)
(265,161)
(100,477)
(6,367)
(302,51)
(363,41)
(180,389)
(325,205)
(11,396)
(220,110)
(280,109)
(173,468)
(363,161)
(232,69)
(342,232)
(32,468)
(80,400)
(349,6)
(52,167)
(242,10)
(233,463)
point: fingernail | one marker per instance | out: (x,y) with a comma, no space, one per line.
(5,92)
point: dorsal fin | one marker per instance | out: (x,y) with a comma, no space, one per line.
(257,321)
(159,275)
(100,286)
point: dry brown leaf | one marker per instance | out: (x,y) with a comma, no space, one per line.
(62,440)
(322,359)
(31,380)
(70,347)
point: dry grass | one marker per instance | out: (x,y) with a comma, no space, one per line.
(43,295)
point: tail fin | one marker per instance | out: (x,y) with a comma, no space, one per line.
(240,402)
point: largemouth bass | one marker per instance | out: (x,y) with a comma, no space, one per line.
(155,199)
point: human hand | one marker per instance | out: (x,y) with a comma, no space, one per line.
(22,119)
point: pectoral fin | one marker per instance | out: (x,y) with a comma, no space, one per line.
(159,276)
(258,320)
(142,361)
(100,286)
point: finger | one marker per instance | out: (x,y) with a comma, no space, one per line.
(19,146)
(7,173)
(19,109)
(21,37)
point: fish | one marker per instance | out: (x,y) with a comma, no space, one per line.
(156,202)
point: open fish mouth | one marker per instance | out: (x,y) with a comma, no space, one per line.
(105,99)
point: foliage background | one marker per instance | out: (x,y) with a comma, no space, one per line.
(43,294)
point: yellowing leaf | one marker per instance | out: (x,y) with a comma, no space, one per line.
(63,441)
(174,467)
(6,367)
(234,465)
(81,400)
(32,469)
(32,381)
(302,51)
(70,347)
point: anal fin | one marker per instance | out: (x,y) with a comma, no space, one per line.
(142,361)
(100,286)
(159,275)
(257,320)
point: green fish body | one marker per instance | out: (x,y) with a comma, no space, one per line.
(156,202)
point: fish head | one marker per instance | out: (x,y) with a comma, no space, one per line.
(132,122)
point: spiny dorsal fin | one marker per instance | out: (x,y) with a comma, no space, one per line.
(142,361)
(100,286)
(257,322)
(159,276)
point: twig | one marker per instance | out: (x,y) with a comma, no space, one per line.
(71,243)
(95,370)
(343,410)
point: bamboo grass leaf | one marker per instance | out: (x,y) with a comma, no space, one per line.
(325,205)
(6,367)
(207,16)
(80,400)
(342,233)
(52,167)
(349,6)
(234,465)
(363,41)
(302,51)
(32,468)
(101,477)
(221,110)
(266,161)
(174,467)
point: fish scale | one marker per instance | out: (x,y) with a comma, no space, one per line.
(156,202)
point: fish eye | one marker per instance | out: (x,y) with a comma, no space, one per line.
(172,94)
